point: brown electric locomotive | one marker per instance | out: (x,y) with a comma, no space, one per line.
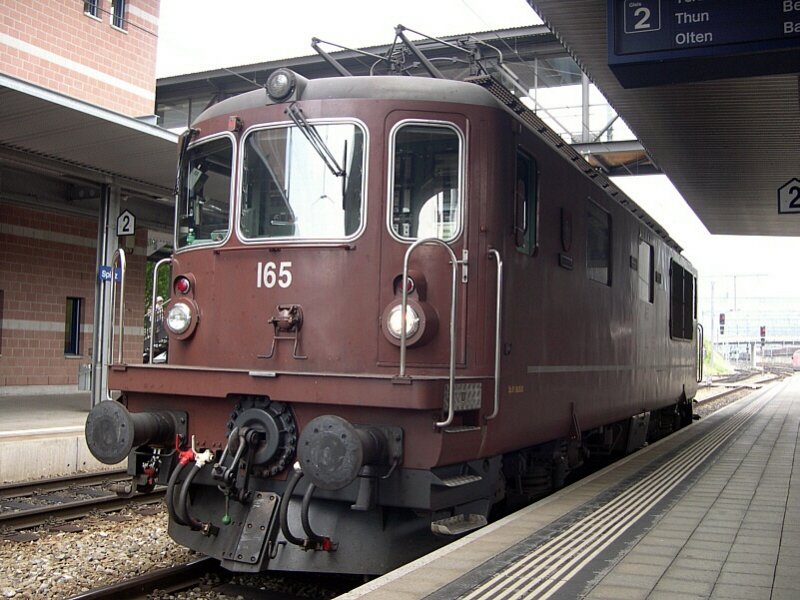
(396,304)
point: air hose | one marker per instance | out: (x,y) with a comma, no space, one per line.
(283,511)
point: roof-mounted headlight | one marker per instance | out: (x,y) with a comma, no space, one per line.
(281,84)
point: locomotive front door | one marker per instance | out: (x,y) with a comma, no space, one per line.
(426,200)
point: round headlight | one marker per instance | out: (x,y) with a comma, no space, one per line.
(394,322)
(280,84)
(179,318)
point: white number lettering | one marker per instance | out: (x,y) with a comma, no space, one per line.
(285,275)
(269,274)
(644,14)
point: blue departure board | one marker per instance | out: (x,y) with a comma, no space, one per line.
(654,42)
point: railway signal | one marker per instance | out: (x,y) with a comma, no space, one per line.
(721,323)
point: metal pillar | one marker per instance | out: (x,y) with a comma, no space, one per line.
(107,244)
(586,135)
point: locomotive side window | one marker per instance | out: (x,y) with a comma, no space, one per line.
(204,193)
(303,184)
(598,244)
(426,182)
(525,204)
(682,303)
(645,271)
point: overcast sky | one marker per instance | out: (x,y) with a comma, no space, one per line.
(200,35)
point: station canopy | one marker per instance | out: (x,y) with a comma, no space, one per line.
(731,146)
(55,134)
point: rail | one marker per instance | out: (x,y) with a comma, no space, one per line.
(175,578)
(29,505)
(158,265)
(404,307)
(497,332)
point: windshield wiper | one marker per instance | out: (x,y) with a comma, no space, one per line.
(316,141)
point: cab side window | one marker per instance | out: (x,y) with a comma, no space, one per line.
(598,244)
(525,204)
(682,303)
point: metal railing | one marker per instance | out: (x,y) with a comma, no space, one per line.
(153,328)
(497,333)
(700,341)
(119,258)
(453,297)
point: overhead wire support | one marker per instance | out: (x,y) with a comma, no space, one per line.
(315,42)
(428,65)
(329,59)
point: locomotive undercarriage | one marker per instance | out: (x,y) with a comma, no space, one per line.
(331,531)
(254,510)
(248,506)
(532,473)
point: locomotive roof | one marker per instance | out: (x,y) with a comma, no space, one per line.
(437,90)
(376,87)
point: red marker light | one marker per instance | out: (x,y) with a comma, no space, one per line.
(183,285)
(234,124)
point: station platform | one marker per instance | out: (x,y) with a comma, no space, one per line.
(712,511)
(41,434)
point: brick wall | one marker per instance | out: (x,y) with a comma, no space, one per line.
(54,44)
(45,258)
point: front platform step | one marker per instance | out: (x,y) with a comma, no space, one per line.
(458,525)
(459,480)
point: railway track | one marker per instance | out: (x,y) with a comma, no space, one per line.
(27,505)
(172,579)
(215,582)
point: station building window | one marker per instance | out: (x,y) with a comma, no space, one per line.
(92,8)
(118,14)
(682,303)
(525,204)
(645,270)
(72,327)
(598,244)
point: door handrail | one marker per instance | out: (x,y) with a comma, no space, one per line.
(157,266)
(453,298)
(700,342)
(119,257)
(493,253)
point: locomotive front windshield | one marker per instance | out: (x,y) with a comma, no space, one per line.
(302,182)
(204,192)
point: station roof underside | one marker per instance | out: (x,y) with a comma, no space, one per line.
(727,145)
(49,132)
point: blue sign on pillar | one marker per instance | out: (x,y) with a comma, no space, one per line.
(105,273)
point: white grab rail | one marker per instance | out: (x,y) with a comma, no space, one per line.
(404,306)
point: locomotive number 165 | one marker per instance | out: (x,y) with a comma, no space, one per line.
(269,274)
